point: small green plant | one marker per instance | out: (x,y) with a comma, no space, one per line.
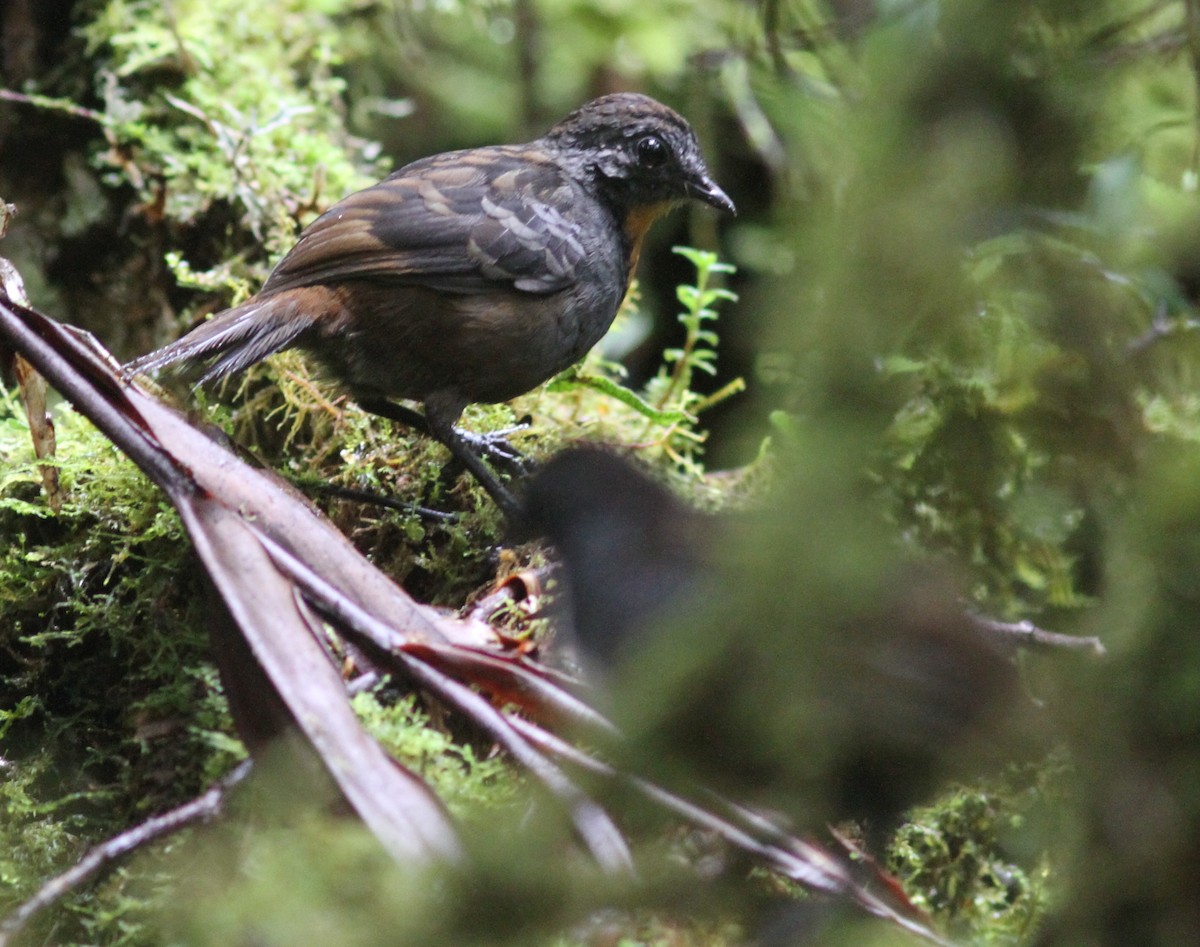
(668,404)
(699,351)
(671,389)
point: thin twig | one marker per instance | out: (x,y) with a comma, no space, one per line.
(594,825)
(65,106)
(376,499)
(795,858)
(1027,634)
(1162,44)
(201,809)
(1192,31)
(528,44)
(1162,326)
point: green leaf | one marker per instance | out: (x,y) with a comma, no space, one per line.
(663,417)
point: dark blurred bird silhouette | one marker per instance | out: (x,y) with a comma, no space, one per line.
(631,549)
(470,276)
(858,719)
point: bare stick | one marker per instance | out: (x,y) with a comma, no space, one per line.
(1027,634)
(200,809)
(66,106)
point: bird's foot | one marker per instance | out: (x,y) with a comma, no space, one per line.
(495,448)
(477,453)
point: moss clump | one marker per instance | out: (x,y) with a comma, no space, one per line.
(109,709)
(466,778)
(253,118)
(966,858)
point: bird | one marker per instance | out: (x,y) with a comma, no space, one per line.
(471,276)
(694,640)
(630,551)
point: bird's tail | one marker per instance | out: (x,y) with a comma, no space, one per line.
(232,340)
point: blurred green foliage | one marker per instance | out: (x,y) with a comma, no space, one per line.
(967,272)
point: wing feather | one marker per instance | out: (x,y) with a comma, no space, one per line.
(460,222)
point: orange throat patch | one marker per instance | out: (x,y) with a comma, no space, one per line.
(637,222)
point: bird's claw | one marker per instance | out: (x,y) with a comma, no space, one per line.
(495,448)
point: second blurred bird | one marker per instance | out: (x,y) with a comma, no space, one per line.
(717,680)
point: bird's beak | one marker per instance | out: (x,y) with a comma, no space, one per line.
(704,188)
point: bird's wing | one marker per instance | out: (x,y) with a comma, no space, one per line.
(461,222)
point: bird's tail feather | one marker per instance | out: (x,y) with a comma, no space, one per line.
(232,340)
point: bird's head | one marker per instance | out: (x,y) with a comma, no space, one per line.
(636,152)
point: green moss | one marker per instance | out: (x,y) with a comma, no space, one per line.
(109,710)
(470,784)
(971,862)
(226,123)
(253,117)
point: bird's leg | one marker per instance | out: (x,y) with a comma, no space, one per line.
(465,454)
(493,445)
(466,448)
(395,411)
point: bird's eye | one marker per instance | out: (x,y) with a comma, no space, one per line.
(652,151)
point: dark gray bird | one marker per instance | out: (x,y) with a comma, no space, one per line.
(858,717)
(632,551)
(470,276)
